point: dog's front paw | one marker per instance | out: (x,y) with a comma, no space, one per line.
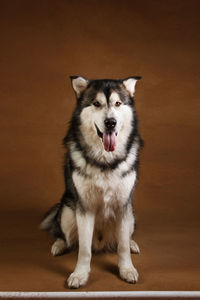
(129,274)
(76,280)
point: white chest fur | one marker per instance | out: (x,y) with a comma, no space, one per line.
(104,191)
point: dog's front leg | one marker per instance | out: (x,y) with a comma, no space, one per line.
(85,224)
(126,269)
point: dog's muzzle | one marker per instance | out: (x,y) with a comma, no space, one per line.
(110,123)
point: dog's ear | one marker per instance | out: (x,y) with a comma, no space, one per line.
(79,84)
(130,83)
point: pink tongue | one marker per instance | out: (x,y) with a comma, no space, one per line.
(109,141)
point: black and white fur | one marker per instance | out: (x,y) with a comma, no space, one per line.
(96,210)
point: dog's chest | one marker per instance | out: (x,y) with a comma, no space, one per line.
(105,191)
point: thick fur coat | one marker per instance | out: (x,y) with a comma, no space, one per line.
(100,171)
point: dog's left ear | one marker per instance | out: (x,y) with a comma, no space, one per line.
(130,83)
(79,84)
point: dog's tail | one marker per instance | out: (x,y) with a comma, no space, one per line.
(48,219)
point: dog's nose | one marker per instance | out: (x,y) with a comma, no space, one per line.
(110,123)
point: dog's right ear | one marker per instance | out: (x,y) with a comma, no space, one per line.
(79,84)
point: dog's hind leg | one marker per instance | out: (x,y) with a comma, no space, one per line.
(69,230)
(134,247)
(58,247)
(69,226)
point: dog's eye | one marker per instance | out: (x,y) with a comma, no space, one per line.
(96,103)
(117,103)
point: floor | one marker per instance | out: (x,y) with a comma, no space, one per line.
(169,258)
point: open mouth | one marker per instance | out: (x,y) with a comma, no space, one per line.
(108,139)
(100,134)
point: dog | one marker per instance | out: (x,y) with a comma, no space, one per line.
(100,171)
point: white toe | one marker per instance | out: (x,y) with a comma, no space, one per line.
(58,247)
(129,274)
(77,280)
(134,247)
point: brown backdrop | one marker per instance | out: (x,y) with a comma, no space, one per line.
(42,43)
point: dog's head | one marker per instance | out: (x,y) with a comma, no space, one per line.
(106,108)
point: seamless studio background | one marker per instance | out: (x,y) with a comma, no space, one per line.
(42,43)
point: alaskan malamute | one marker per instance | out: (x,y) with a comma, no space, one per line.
(100,173)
